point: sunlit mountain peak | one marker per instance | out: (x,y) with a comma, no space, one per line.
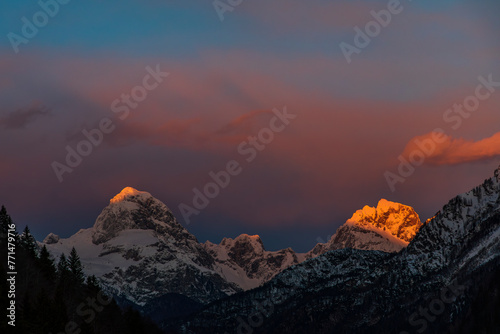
(400,220)
(127,192)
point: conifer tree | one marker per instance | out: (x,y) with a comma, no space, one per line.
(28,242)
(62,267)
(75,266)
(46,263)
(63,275)
(5,220)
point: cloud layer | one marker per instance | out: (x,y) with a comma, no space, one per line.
(20,118)
(453,151)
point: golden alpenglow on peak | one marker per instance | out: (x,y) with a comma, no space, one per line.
(126,192)
(400,220)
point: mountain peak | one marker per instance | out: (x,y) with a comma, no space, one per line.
(128,192)
(249,237)
(245,262)
(384,204)
(251,242)
(388,227)
(399,220)
(134,209)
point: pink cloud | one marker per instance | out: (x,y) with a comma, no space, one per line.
(445,150)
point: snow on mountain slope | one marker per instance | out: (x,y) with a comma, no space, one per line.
(139,252)
(101,259)
(132,209)
(244,260)
(457,227)
(355,291)
(389,228)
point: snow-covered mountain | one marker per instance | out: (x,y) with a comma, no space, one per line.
(446,281)
(140,252)
(143,256)
(389,227)
(467,226)
(244,260)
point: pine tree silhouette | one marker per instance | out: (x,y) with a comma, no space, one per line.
(75,266)
(63,275)
(5,220)
(29,242)
(62,266)
(46,264)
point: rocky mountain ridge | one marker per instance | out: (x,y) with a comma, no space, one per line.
(444,281)
(145,258)
(244,260)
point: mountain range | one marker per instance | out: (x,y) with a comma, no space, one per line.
(376,271)
(447,280)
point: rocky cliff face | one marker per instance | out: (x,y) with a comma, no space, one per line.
(244,260)
(389,227)
(137,210)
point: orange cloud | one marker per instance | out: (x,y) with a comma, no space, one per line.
(445,150)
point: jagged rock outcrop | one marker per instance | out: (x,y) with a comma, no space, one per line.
(389,227)
(51,238)
(244,260)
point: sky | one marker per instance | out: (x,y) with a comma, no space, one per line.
(175,90)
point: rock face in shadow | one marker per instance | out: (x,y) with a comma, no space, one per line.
(245,261)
